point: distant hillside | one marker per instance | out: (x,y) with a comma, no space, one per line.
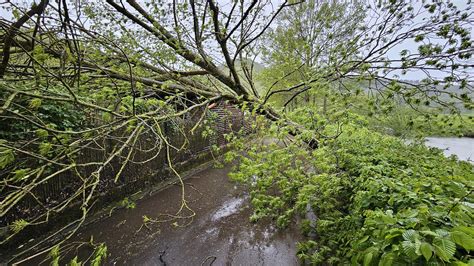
(256,69)
(455,88)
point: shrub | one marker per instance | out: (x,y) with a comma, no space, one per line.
(378,200)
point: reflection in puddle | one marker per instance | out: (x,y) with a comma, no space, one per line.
(228,208)
(211,233)
(268,232)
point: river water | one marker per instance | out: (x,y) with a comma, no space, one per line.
(463,148)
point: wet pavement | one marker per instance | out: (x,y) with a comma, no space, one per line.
(219,234)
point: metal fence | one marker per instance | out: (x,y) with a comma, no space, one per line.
(140,172)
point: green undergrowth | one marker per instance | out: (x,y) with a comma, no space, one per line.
(406,123)
(447,125)
(378,200)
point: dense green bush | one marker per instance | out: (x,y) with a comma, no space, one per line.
(405,122)
(378,200)
(41,113)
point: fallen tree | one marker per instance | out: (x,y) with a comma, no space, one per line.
(73,73)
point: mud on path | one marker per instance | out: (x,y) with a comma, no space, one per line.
(220,233)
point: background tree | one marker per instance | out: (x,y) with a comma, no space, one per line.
(304,40)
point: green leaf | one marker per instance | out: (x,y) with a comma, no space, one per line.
(45,147)
(75,262)
(368,258)
(21,173)
(6,156)
(100,254)
(444,248)
(54,255)
(442,233)
(387,259)
(426,250)
(41,133)
(458,263)
(19,225)
(465,229)
(410,249)
(363,239)
(429,233)
(35,103)
(410,235)
(463,240)
(393,234)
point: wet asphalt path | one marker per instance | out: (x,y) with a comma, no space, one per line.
(219,234)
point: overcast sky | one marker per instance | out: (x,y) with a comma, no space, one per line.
(394,53)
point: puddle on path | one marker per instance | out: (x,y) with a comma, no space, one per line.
(220,233)
(229,207)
